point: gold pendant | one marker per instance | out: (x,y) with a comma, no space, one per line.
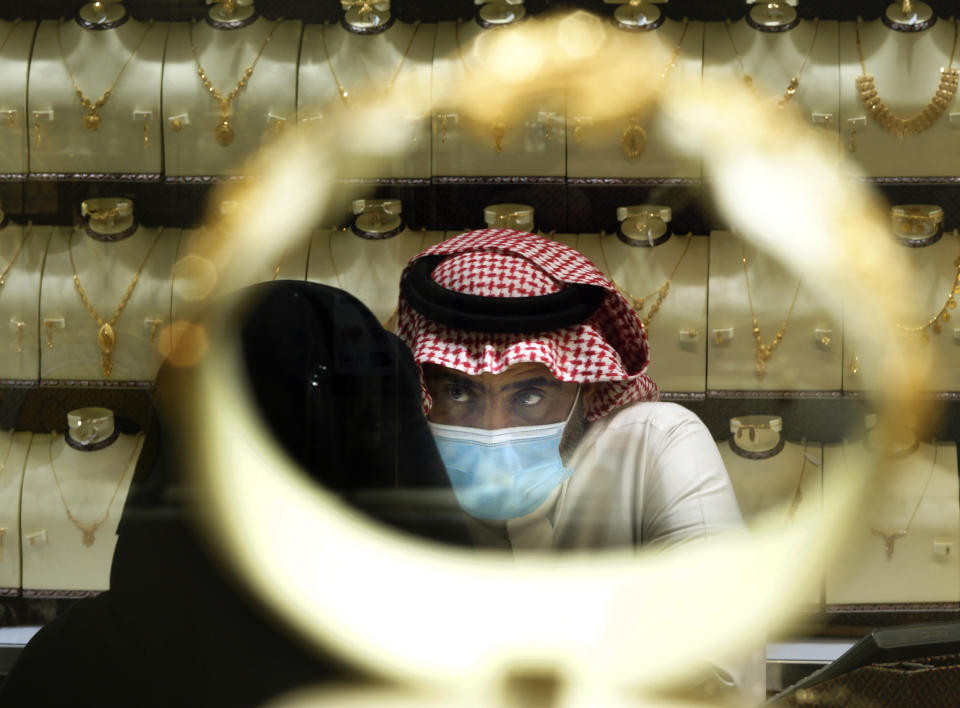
(88,538)
(223,132)
(499,129)
(91,121)
(632,141)
(107,341)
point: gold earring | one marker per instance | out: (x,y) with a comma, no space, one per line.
(855,365)
(49,326)
(155,328)
(852,144)
(443,129)
(146,133)
(12,118)
(825,340)
(499,129)
(177,125)
(36,129)
(20,324)
(719,339)
(229,7)
(906,7)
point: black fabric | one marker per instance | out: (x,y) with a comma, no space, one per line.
(503,315)
(176,629)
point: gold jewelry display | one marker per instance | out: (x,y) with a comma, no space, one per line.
(223,132)
(106,335)
(344,94)
(798,493)
(765,350)
(633,139)
(391,321)
(889,539)
(791,89)
(915,124)
(933,324)
(638,303)
(92,121)
(751,429)
(498,128)
(89,530)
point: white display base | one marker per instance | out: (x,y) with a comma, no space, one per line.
(469,146)
(677,333)
(54,556)
(105,270)
(906,69)
(365,64)
(266,105)
(925,566)
(13,451)
(597,153)
(367,269)
(14,64)
(66,146)
(801,362)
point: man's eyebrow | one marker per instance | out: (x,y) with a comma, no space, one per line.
(542,381)
(459,379)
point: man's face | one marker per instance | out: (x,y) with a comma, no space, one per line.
(524,394)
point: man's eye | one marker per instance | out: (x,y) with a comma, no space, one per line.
(529,398)
(460,395)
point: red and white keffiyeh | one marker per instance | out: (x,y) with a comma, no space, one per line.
(609,348)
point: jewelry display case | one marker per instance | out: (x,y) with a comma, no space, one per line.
(137,112)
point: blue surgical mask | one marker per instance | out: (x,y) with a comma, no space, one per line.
(502,474)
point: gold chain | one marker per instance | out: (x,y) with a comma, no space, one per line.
(89,530)
(915,124)
(92,120)
(637,303)
(798,492)
(633,139)
(224,132)
(390,322)
(6,271)
(943,315)
(9,34)
(765,350)
(794,83)
(106,335)
(889,539)
(344,94)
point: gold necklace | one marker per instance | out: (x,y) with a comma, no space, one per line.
(9,34)
(106,335)
(637,303)
(794,82)
(889,539)
(798,492)
(943,315)
(390,322)
(633,139)
(765,350)
(92,120)
(224,132)
(915,124)
(6,271)
(498,128)
(89,530)
(344,94)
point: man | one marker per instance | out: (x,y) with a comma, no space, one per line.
(532,365)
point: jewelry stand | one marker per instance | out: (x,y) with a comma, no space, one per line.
(25,247)
(366,64)
(924,565)
(906,68)
(809,356)
(595,146)
(677,332)
(61,145)
(368,269)
(933,278)
(56,558)
(15,43)
(13,448)
(773,59)
(260,110)
(774,488)
(530,136)
(106,270)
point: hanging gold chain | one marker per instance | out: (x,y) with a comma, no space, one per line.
(638,303)
(9,34)
(92,120)
(344,94)
(224,132)
(916,124)
(89,530)
(794,83)
(106,335)
(889,539)
(6,270)
(763,349)
(798,492)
